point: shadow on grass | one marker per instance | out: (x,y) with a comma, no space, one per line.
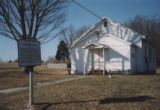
(128,99)
(101,101)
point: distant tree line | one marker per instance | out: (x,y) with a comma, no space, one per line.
(148,26)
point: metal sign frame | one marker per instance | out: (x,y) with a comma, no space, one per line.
(29,53)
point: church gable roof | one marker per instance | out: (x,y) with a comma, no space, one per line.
(113,29)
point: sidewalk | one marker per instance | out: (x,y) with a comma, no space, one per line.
(10,90)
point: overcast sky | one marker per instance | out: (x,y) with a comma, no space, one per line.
(117,10)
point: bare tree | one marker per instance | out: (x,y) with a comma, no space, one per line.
(31,19)
(80,31)
(148,26)
(69,34)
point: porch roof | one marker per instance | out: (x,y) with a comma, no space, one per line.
(95,46)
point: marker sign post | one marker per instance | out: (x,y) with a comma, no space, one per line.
(29,55)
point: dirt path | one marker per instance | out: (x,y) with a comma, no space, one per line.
(10,90)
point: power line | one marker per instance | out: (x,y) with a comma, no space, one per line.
(86,9)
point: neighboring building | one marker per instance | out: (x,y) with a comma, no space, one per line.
(109,46)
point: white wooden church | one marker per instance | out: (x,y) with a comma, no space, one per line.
(111,47)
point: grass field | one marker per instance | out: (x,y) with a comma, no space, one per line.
(12,76)
(122,92)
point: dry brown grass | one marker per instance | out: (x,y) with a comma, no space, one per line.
(122,92)
(12,76)
(158,70)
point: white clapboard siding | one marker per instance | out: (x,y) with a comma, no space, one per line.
(125,51)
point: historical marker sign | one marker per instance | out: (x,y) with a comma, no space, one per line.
(29,53)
